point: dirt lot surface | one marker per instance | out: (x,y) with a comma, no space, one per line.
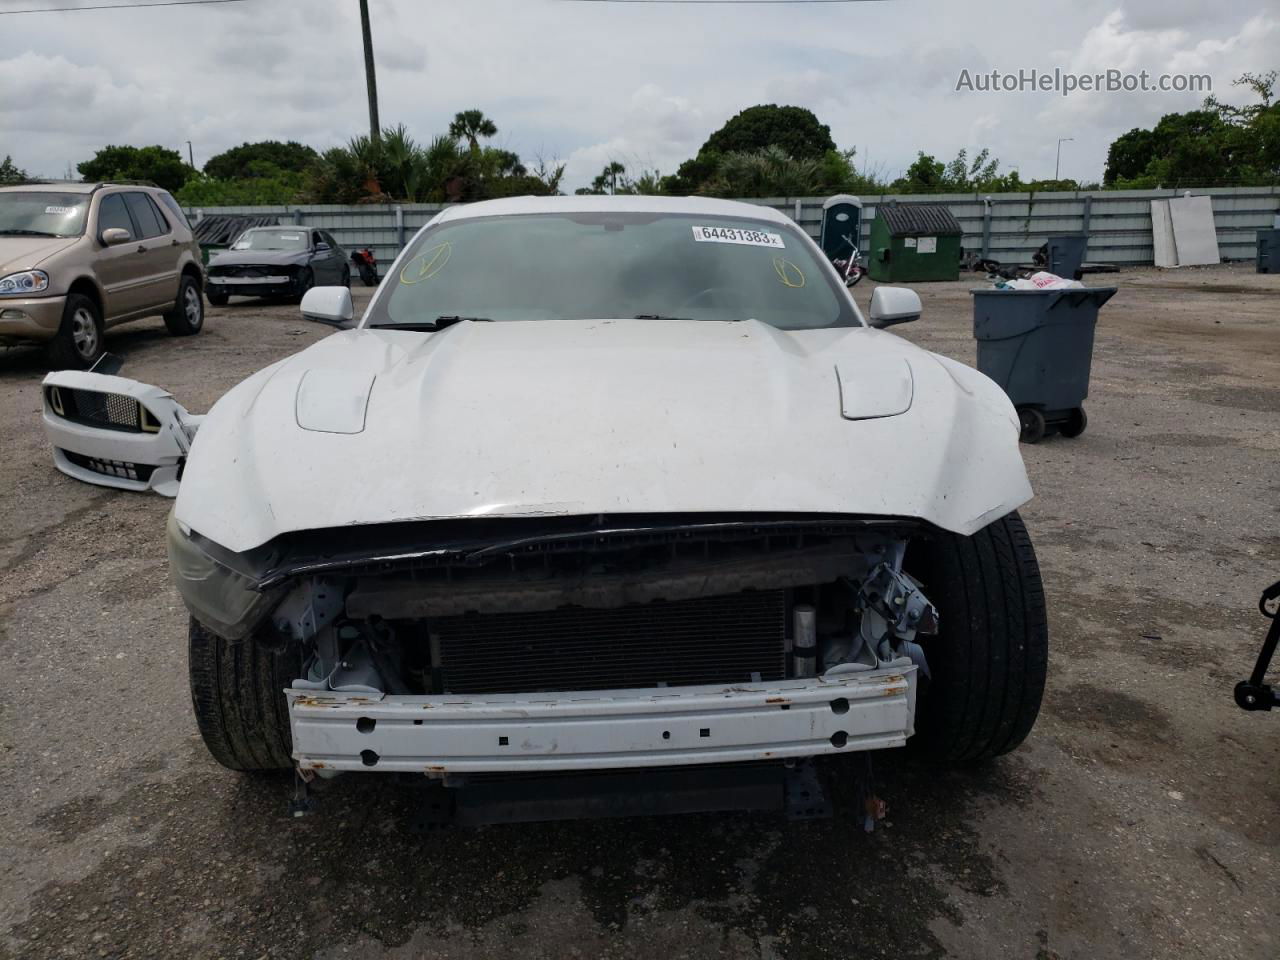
(1141,819)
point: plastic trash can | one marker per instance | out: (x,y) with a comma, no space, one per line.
(1038,345)
(1269,251)
(1066,254)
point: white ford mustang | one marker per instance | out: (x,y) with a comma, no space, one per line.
(596,483)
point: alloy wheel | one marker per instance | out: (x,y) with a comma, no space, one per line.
(84,333)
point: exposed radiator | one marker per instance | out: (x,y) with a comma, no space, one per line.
(728,639)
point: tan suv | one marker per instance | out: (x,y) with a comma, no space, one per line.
(78,258)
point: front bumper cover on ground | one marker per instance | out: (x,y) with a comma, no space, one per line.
(606,729)
(116,432)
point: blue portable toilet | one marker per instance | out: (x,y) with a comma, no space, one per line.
(841,221)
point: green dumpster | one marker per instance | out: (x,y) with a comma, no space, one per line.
(1269,251)
(911,242)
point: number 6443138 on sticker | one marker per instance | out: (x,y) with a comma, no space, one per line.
(753,238)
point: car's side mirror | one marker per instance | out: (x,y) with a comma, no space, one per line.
(331,305)
(114,236)
(322,248)
(890,305)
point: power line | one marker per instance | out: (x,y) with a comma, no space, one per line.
(115,6)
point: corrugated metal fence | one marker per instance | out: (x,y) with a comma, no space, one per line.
(1004,226)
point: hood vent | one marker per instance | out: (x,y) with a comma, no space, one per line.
(874,387)
(333,401)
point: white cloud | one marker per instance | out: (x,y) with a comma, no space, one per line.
(643,84)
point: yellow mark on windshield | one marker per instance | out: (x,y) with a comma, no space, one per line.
(427,264)
(788,273)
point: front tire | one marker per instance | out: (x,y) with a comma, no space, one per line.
(187,316)
(988,662)
(218,299)
(79,341)
(236,695)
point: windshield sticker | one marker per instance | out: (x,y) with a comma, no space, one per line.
(427,264)
(751,238)
(789,275)
(61,211)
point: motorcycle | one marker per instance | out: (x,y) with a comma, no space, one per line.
(367,265)
(850,268)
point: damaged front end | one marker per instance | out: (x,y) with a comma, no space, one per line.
(559,644)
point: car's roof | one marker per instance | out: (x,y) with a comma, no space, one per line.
(594,203)
(74,186)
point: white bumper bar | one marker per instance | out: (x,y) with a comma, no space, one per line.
(603,729)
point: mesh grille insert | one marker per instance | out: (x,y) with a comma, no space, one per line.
(112,410)
(729,639)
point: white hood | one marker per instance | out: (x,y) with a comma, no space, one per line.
(582,417)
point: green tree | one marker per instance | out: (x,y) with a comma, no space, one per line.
(1128,155)
(203,191)
(795,130)
(767,172)
(397,167)
(961,175)
(648,184)
(1219,143)
(267,158)
(609,177)
(159,165)
(10,173)
(471,125)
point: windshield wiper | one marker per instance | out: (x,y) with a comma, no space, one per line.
(438,324)
(27,233)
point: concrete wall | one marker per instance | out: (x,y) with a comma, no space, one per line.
(1005,226)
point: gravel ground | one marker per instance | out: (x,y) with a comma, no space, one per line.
(1141,819)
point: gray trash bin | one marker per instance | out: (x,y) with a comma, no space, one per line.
(1066,254)
(1269,251)
(1038,345)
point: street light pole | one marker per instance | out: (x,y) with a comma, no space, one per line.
(370,78)
(1058,158)
(190,155)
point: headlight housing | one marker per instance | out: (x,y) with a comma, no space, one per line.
(223,599)
(25,283)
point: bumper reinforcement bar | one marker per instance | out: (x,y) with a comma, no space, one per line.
(608,729)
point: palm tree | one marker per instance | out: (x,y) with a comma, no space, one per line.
(611,173)
(471,125)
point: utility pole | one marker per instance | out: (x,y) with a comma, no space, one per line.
(370,79)
(191,155)
(1058,159)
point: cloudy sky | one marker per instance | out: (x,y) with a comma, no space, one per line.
(587,82)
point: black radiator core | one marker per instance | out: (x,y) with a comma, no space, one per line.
(730,639)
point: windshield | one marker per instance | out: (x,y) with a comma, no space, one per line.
(613,265)
(31,214)
(258,239)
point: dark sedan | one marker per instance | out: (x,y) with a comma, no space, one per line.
(277,262)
